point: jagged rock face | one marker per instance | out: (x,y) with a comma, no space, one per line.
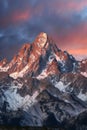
(55,104)
(43,86)
(33,59)
(83,66)
(3,62)
(21,60)
(53,68)
(41,40)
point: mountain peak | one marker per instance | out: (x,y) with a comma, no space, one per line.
(42,34)
(41,39)
(39,58)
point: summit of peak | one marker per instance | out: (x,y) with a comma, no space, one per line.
(43,34)
(41,39)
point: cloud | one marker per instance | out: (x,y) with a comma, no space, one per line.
(14,18)
(69,6)
(79,53)
(76,36)
(22,20)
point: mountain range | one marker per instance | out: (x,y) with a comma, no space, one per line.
(43,86)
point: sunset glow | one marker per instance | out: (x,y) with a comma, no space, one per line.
(64,20)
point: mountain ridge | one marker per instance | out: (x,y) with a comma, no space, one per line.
(41,47)
(43,86)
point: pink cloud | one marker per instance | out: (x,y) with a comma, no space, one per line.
(68,6)
(74,40)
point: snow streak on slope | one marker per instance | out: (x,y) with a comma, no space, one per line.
(16,101)
(4,69)
(15,75)
(61,86)
(84,74)
(82,96)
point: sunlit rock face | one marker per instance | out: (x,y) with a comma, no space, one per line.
(43,86)
(36,58)
(41,39)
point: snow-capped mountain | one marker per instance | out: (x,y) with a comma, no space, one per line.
(43,86)
(39,57)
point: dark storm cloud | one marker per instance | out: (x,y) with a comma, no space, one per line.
(22,20)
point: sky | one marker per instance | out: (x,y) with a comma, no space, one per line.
(63,20)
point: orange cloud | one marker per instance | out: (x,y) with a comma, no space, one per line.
(75,37)
(15,17)
(74,40)
(20,16)
(78,51)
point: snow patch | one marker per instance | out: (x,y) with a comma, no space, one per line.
(15,75)
(84,74)
(50,59)
(82,96)
(61,86)
(16,101)
(42,75)
(57,58)
(4,69)
(21,73)
(74,66)
(83,61)
(20,59)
